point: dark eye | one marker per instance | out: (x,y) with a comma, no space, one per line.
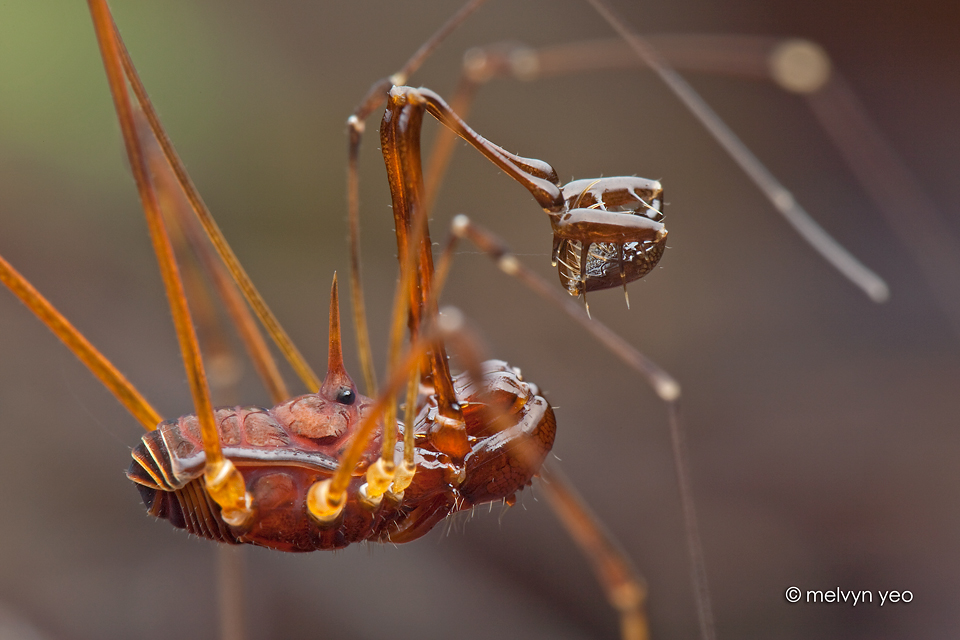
(346,396)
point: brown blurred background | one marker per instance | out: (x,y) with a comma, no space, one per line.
(822,428)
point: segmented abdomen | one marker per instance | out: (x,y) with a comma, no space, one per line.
(282,451)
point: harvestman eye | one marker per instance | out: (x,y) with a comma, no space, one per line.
(346,396)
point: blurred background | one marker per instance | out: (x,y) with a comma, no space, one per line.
(822,427)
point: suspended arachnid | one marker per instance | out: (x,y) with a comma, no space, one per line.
(787,391)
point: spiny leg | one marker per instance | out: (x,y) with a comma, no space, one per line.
(609,213)
(737,55)
(796,65)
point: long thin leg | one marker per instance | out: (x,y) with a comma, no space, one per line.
(626,591)
(743,56)
(798,66)
(665,386)
(229,258)
(223,481)
(230,580)
(375,98)
(103,369)
(197,257)
(871,284)
(400,140)
(223,362)
(224,369)
(907,208)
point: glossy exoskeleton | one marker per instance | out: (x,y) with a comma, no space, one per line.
(284,450)
(475,441)
(607,232)
(612,257)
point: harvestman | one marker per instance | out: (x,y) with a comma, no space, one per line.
(293,478)
(425,300)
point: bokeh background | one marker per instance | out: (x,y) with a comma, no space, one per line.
(822,428)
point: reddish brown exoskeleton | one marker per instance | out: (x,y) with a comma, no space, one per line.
(285,450)
(473,441)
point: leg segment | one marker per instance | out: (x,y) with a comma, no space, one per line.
(375,98)
(223,481)
(626,591)
(762,58)
(98,364)
(212,231)
(664,385)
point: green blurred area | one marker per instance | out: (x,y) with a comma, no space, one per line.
(55,109)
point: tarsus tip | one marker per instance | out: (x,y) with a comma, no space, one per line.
(668,389)
(878,291)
